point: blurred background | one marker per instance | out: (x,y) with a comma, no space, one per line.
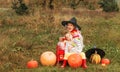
(31,27)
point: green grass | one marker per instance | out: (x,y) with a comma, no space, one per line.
(25,37)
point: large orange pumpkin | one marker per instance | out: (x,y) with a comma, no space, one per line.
(32,64)
(75,60)
(48,58)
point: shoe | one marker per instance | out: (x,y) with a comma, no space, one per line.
(64,64)
(84,63)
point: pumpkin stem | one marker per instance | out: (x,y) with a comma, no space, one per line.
(94,47)
(95,52)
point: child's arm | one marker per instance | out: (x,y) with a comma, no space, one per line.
(79,44)
(62,38)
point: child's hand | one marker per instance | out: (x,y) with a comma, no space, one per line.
(61,38)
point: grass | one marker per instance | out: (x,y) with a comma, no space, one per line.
(25,37)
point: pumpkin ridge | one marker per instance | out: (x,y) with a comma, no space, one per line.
(95,58)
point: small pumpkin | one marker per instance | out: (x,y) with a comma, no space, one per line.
(95,58)
(75,60)
(48,58)
(105,61)
(32,64)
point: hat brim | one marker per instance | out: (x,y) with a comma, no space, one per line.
(92,51)
(64,23)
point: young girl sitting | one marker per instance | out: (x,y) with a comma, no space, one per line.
(75,44)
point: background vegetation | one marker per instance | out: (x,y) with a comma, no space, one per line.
(25,37)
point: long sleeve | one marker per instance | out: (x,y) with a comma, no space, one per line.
(76,44)
(78,40)
(79,45)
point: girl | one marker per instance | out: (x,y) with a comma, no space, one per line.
(76,46)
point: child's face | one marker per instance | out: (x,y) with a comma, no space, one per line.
(70,27)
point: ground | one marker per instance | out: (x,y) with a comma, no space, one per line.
(25,37)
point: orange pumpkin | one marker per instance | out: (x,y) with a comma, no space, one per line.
(32,64)
(105,61)
(48,58)
(75,60)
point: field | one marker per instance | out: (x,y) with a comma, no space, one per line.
(23,38)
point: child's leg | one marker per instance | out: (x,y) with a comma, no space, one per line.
(83,60)
(59,54)
(65,59)
(64,63)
